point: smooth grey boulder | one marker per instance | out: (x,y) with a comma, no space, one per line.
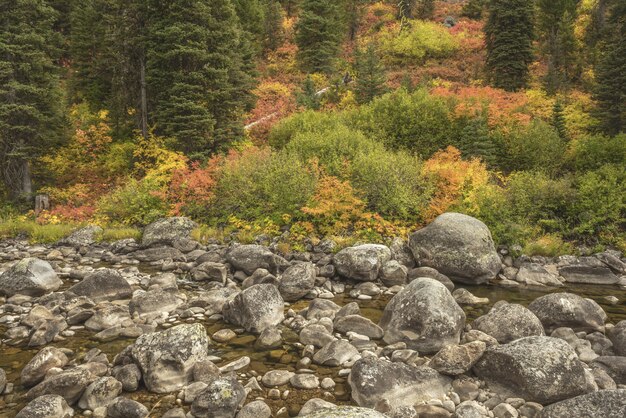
(507,322)
(248,258)
(373,380)
(457,359)
(316,335)
(363,262)
(537,369)
(458,246)
(360,325)
(126,408)
(603,403)
(335,353)
(587,270)
(255,308)
(617,335)
(534,274)
(297,281)
(70,384)
(103,284)
(568,310)
(210,271)
(424,315)
(156,300)
(214,300)
(344,412)
(46,406)
(100,393)
(82,237)
(166,358)
(268,339)
(393,273)
(167,231)
(36,369)
(431,273)
(30,277)
(220,399)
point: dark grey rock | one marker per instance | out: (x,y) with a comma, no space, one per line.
(603,403)
(46,406)
(166,231)
(568,310)
(251,257)
(297,281)
(103,284)
(70,384)
(126,408)
(38,366)
(507,322)
(220,399)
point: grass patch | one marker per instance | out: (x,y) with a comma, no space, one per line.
(36,233)
(548,246)
(115,234)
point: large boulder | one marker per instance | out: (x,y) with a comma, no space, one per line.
(36,369)
(374,380)
(344,412)
(220,399)
(603,403)
(167,231)
(100,393)
(155,300)
(538,369)
(103,284)
(617,335)
(166,358)
(614,366)
(568,310)
(534,274)
(424,315)
(507,322)
(458,246)
(248,258)
(82,237)
(587,270)
(362,262)
(255,308)
(46,406)
(31,277)
(70,384)
(297,281)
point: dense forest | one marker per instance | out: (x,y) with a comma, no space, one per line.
(305,119)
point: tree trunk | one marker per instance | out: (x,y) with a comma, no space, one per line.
(144,100)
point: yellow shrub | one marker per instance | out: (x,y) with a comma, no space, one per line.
(420,41)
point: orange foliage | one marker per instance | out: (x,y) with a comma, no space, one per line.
(455,179)
(274,101)
(192,187)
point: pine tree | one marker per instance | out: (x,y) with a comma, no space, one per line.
(198,74)
(318,35)
(31,118)
(473,9)
(425,9)
(474,139)
(610,91)
(273,25)
(308,97)
(370,75)
(558,119)
(509,34)
(251,14)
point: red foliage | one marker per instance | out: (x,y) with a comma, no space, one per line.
(192,186)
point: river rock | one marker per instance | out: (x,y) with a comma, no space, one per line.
(82,237)
(431,273)
(465,297)
(458,246)
(539,369)
(316,335)
(603,403)
(363,262)
(568,310)
(457,359)
(393,273)
(344,412)
(248,258)
(617,335)
(31,277)
(46,406)
(321,308)
(214,300)
(255,308)
(587,270)
(275,378)
(126,408)
(220,399)
(103,284)
(297,281)
(108,316)
(373,380)
(210,271)
(424,315)
(614,366)
(167,231)
(335,353)
(159,254)
(507,322)
(129,375)
(360,325)
(70,384)
(268,339)
(156,300)
(100,393)
(471,409)
(534,274)
(255,409)
(38,366)
(401,253)
(166,358)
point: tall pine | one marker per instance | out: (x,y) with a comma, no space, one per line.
(318,35)
(31,118)
(610,91)
(198,74)
(370,75)
(509,35)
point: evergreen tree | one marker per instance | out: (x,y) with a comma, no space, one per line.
(370,75)
(509,35)
(198,79)
(31,119)
(425,9)
(610,91)
(273,25)
(474,139)
(318,35)
(473,9)
(353,10)
(251,15)
(308,96)
(556,26)
(558,119)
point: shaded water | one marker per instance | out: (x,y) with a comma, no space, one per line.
(13,358)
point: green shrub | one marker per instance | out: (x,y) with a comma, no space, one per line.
(332,148)
(308,121)
(416,122)
(594,151)
(260,183)
(110,234)
(533,147)
(137,203)
(39,234)
(418,42)
(392,184)
(600,205)
(550,245)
